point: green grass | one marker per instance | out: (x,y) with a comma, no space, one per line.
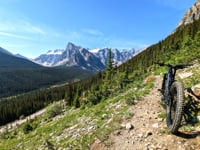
(73,130)
(162,115)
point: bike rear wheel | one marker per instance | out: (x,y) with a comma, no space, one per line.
(175,109)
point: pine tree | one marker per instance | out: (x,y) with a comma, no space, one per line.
(109,69)
(68,95)
(76,101)
(107,83)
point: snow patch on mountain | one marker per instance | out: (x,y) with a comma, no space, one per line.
(55,52)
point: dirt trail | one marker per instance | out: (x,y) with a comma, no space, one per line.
(13,125)
(149,131)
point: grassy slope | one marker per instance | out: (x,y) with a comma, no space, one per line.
(77,128)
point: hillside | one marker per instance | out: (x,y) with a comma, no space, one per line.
(106,125)
(21,80)
(7,60)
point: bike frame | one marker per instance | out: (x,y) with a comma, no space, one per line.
(169,78)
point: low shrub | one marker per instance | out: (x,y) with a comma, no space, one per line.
(54,110)
(27,128)
(130,101)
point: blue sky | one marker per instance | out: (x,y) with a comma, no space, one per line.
(31,27)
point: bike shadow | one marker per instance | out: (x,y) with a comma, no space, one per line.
(191,110)
(191,135)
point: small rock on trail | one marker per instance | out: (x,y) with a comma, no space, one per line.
(129,126)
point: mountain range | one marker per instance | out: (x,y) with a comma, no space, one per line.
(87,59)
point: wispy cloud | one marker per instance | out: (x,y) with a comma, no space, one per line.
(20,26)
(30,28)
(15,36)
(93,32)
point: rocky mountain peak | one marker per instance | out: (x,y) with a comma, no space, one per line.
(71,46)
(89,59)
(192,14)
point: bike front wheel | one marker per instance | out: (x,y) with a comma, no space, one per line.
(175,108)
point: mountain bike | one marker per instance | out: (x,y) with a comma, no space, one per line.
(173,96)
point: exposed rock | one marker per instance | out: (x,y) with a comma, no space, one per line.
(185,75)
(192,14)
(93,60)
(129,126)
(93,127)
(155,125)
(148,133)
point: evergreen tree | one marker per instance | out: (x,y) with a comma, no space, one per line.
(109,69)
(76,101)
(107,82)
(122,78)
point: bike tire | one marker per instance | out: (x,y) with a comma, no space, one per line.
(175,111)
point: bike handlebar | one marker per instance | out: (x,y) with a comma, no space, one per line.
(179,66)
(161,64)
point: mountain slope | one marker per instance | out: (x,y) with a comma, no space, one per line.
(21,56)
(191,15)
(80,57)
(50,58)
(10,61)
(5,51)
(118,57)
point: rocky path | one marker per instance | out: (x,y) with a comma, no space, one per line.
(147,130)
